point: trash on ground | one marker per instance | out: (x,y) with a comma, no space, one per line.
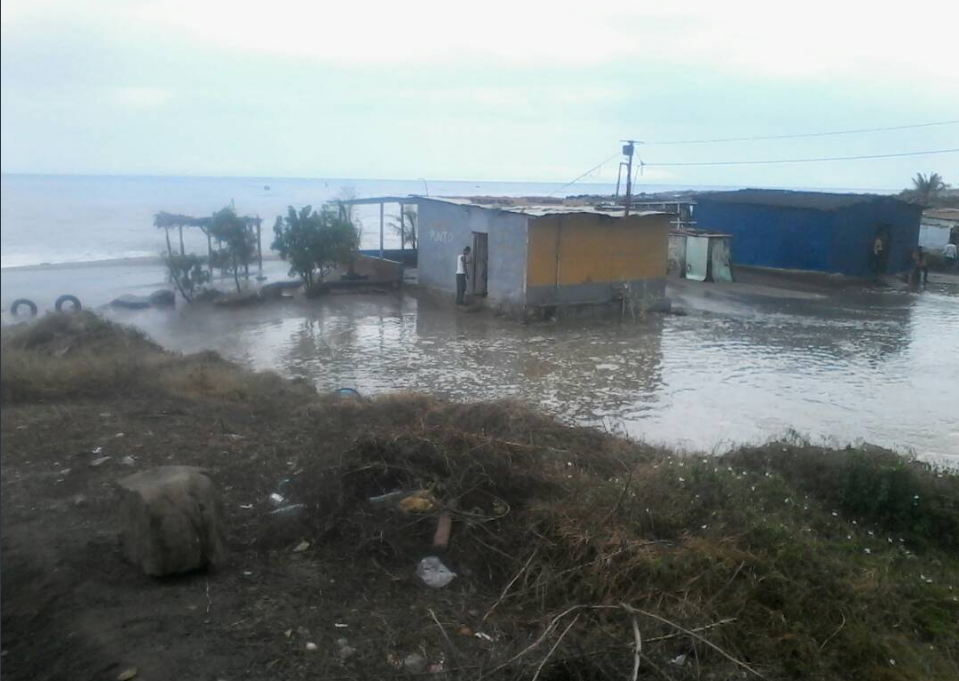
(97,450)
(128,674)
(100,461)
(346,651)
(289,510)
(302,546)
(679,660)
(433,573)
(484,637)
(311,646)
(414,663)
(340,625)
(128,461)
(246,507)
(441,538)
(418,502)
(277,499)
(387,498)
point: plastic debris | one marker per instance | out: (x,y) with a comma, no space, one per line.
(414,663)
(277,499)
(128,461)
(679,660)
(289,510)
(302,546)
(100,461)
(311,646)
(341,625)
(484,637)
(433,573)
(128,674)
(444,525)
(387,498)
(246,507)
(418,502)
(97,450)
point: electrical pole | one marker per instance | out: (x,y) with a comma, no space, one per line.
(628,150)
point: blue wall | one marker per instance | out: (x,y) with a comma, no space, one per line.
(836,241)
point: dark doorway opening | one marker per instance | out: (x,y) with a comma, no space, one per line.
(479,284)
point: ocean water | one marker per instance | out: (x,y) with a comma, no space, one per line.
(52,219)
(49,219)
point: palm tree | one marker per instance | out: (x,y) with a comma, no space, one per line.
(925,189)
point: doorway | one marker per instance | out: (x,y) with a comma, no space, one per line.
(479,284)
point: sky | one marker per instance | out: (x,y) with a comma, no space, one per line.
(494,91)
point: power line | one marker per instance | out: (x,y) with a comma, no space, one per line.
(803,160)
(806,134)
(591,170)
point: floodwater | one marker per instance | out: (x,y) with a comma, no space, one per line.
(837,369)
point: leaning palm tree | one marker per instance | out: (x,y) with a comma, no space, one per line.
(926,189)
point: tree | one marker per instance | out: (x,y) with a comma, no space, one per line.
(238,243)
(926,189)
(404,224)
(315,242)
(187,272)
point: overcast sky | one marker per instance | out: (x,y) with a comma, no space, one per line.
(482,91)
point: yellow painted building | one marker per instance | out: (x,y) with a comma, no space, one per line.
(580,258)
(530,260)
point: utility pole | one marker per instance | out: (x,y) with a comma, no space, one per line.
(628,149)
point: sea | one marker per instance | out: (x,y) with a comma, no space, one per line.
(56,219)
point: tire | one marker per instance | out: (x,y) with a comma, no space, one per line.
(75,307)
(20,302)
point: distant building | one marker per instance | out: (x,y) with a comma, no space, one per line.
(531,260)
(812,231)
(939,226)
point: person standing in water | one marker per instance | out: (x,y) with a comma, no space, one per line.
(462,274)
(920,268)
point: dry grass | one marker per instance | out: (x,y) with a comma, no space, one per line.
(782,561)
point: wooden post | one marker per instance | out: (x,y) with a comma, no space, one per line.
(381,228)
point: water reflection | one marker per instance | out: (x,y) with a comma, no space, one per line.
(876,367)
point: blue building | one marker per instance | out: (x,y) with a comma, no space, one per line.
(813,231)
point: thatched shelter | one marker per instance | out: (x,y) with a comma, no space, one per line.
(167,221)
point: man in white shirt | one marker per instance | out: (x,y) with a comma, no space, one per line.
(949,253)
(462,274)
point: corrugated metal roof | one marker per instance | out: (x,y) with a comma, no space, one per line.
(942,213)
(792,199)
(538,210)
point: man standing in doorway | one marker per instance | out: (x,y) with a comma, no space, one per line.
(462,270)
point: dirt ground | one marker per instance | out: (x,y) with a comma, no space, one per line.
(73,609)
(785,561)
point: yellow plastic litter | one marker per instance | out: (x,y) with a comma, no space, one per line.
(420,502)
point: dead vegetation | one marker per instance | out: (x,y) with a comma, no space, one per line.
(580,555)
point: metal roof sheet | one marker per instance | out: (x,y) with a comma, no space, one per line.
(783,198)
(538,210)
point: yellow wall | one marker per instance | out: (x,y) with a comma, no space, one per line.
(596,248)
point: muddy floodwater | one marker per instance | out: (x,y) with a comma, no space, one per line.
(839,368)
